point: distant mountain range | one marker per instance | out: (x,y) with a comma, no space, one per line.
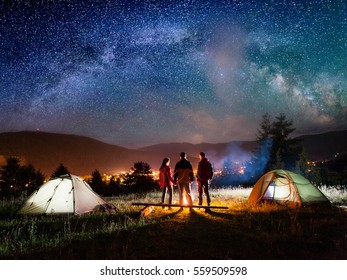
(82,155)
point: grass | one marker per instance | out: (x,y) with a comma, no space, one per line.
(267,231)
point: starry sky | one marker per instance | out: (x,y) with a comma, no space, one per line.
(136,73)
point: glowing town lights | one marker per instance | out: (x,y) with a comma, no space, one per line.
(155,175)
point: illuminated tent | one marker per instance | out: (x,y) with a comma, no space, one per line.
(286,187)
(67,194)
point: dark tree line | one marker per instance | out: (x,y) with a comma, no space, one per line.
(17,179)
(138,180)
(332,172)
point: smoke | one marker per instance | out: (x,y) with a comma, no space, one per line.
(233,153)
(257,165)
(240,166)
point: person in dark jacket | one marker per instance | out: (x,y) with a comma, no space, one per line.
(166,180)
(203,177)
(184,176)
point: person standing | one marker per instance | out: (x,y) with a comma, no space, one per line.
(184,176)
(203,177)
(165,180)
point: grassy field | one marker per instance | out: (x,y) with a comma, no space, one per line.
(241,232)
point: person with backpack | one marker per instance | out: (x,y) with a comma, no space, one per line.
(184,176)
(203,177)
(166,181)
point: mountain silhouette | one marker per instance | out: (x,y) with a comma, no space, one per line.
(82,155)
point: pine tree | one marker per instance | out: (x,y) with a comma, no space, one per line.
(265,130)
(59,171)
(97,183)
(288,148)
(278,163)
(142,168)
(261,156)
(275,147)
(140,180)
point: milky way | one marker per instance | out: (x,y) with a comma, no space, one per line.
(136,73)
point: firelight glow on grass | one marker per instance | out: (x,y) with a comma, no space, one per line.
(126,229)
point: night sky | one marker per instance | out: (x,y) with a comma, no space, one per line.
(135,73)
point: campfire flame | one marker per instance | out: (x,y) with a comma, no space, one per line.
(185,202)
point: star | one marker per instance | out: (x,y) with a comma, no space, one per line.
(136,73)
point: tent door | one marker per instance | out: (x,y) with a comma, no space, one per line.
(278,190)
(270,191)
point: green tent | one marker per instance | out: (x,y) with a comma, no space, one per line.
(286,187)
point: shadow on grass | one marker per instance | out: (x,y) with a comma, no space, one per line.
(278,234)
